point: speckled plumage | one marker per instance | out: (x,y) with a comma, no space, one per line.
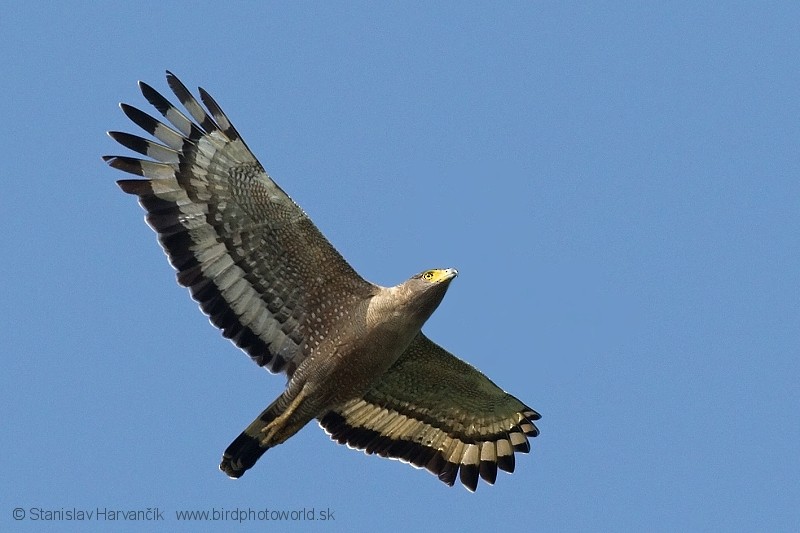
(353,351)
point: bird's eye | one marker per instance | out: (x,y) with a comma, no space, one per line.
(427,276)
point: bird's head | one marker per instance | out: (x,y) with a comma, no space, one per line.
(411,303)
(427,289)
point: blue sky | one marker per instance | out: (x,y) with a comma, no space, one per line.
(617,185)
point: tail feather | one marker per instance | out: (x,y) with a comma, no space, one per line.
(248,447)
(241,455)
(251,444)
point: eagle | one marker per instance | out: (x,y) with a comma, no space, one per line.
(353,351)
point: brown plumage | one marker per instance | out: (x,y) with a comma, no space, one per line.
(353,351)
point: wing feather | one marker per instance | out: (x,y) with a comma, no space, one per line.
(249,255)
(435,411)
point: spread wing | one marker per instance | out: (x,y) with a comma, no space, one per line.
(435,411)
(251,258)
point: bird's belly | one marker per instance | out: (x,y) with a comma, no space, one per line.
(352,368)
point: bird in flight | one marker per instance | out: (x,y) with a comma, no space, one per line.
(353,351)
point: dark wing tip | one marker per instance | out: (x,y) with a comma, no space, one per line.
(530,414)
(137,187)
(468,474)
(506,463)
(139,117)
(448,473)
(144,86)
(488,471)
(155,98)
(523,447)
(125,164)
(133,142)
